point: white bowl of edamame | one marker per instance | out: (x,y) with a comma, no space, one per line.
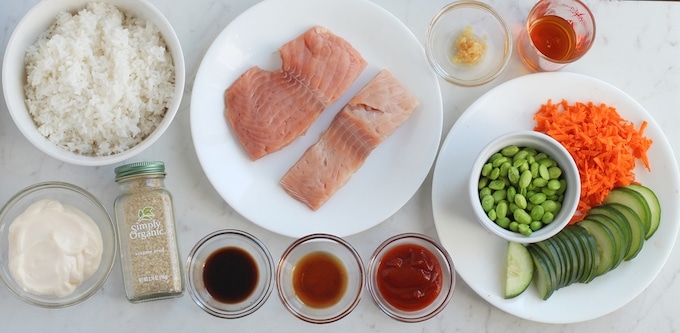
(524,186)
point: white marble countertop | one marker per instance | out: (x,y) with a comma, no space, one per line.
(637,49)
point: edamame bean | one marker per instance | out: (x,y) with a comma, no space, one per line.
(524,229)
(537,198)
(521,155)
(491,215)
(483,182)
(537,213)
(486,169)
(549,205)
(554,184)
(533,166)
(497,184)
(499,195)
(547,217)
(520,201)
(510,193)
(548,162)
(513,226)
(504,169)
(502,209)
(510,151)
(499,161)
(535,225)
(495,156)
(503,222)
(495,173)
(539,182)
(554,172)
(524,179)
(521,216)
(487,203)
(513,175)
(543,172)
(484,192)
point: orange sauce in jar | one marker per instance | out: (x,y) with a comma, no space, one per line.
(554,37)
(409,277)
(319,279)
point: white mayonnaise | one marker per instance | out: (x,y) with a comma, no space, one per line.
(53,248)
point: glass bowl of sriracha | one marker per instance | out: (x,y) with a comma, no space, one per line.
(411,277)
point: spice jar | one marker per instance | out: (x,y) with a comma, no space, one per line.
(146,233)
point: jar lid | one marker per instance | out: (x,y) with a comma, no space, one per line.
(139,168)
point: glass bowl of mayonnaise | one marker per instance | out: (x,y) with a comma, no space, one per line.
(57,244)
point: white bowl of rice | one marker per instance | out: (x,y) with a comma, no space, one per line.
(93,82)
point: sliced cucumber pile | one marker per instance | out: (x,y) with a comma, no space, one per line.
(610,234)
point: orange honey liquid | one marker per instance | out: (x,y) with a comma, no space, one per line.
(554,37)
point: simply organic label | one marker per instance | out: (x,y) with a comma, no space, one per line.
(146,226)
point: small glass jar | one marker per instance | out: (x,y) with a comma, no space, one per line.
(146,233)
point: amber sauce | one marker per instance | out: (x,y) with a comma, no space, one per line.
(319,279)
(554,37)
(230,275)
(409,277)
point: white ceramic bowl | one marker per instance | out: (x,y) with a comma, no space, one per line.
(486,24)
(34,23)
(74,196)
(542,143)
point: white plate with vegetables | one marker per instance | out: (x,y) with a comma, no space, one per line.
(480,257)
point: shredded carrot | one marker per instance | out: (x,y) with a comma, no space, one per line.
(603,144)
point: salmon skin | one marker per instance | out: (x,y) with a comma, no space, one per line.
(371,116)
(269,109)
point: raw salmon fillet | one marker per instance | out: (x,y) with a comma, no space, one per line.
(366,121)
(268,110)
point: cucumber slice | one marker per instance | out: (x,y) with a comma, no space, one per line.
(619,220)
(519,270)
(544,275)
(550,249)
(569,257)
(606,244)
(637,232)
(635,201)
(585,256)
(592,256)
(654,207)
(578,268)
(617,234)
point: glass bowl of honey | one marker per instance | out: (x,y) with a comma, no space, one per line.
(320,278)
(230,273)
(468,43)
(411,277)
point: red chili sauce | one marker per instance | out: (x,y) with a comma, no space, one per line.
(409,277)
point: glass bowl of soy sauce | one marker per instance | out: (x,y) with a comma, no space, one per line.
(230,273)
(320,278)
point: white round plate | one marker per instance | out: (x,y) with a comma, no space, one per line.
(391,174)
(479,256)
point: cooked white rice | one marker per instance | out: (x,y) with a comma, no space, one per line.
(99,81)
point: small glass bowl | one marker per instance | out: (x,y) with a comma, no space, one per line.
(345,254)
(229,238)
(486,24)
(66,194)
(448,277)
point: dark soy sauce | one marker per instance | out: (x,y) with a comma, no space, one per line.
(230,275)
